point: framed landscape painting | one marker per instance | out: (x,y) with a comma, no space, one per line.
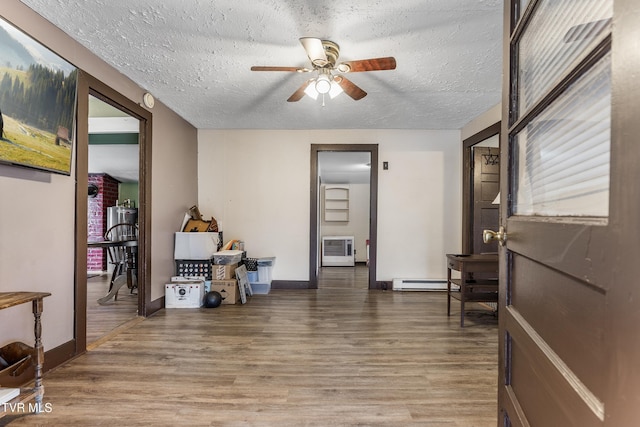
(37,103)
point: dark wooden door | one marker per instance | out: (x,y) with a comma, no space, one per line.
(486,184)
(569,296)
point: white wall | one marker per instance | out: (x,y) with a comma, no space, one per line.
(256,183)
(37,211)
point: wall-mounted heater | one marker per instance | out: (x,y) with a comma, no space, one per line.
(338,251)
(420,285)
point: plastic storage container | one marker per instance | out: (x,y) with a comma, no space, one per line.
(227,257)
(266,261)
(252,276)
(260,288)
(265,267)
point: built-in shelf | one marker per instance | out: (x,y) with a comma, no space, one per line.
(336,203)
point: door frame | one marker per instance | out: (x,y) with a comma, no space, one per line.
(372,149)
(89,85)
(467,181)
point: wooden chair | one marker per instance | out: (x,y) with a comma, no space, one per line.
(123,257)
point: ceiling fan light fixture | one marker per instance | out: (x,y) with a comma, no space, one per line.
(311,91)
(323,84)
(324,55)
(335,90)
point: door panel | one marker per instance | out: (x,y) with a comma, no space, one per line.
(571,248)
(539,384)
(557,261)
(567,314)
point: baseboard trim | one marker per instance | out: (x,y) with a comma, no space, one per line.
(304,284)
(154,306)
(384,285)
(290,284)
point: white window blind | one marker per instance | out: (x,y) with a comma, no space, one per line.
(556,38)
(561,158)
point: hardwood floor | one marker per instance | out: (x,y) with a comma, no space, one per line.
(103,319)
(326,357)
(344,277)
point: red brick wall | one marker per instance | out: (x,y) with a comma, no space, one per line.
(97,217)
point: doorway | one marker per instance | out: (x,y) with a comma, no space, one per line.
(89,87)
(343,227)
(358,160)
(480,186)
(113,200)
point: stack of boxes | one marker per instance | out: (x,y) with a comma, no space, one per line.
(202,267)
(223,277)
(194,268)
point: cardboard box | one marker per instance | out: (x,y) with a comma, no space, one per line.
(184,294)
(228,289)
(224,272)
(196,245)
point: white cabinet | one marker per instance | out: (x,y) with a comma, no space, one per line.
(336,203)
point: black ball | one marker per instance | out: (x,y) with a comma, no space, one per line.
(212,299)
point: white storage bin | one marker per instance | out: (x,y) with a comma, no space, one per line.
(184,294)
(196,245)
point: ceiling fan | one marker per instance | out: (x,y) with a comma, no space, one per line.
(329,72)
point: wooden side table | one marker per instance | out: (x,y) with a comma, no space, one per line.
(10,299)
(471,289)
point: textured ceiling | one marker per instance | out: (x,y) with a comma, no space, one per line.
(195,57)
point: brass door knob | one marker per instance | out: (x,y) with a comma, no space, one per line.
(490,235)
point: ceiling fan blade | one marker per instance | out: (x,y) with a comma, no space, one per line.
(373,64)
(269,68)
(298,94)
(315,50)
(350,88)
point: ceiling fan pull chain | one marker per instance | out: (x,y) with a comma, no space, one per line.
(323,99)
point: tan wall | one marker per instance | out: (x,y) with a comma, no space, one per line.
(37,209)
(256,183)
(482,122)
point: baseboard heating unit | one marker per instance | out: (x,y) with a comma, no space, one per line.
(419,284)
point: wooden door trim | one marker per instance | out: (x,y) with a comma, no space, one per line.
(89,85)
(373,207)
(467,177)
